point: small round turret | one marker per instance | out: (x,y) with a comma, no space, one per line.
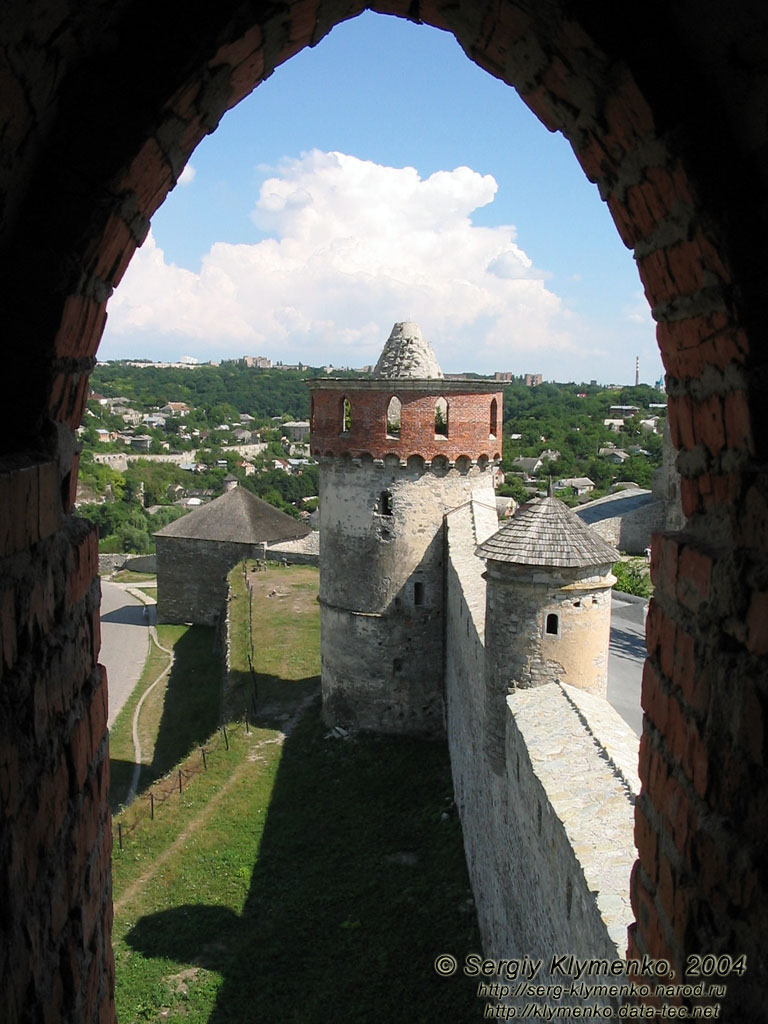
(548,608)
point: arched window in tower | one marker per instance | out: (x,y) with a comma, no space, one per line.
(494,419)
(346,416)
(441,418)
(394,410)
(552,627)
(311,413)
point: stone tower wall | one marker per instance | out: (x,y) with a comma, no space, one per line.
(382,590)
(520,654)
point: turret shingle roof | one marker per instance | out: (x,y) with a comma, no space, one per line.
(547,533)
(237,516)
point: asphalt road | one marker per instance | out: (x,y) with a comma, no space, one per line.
(124,642)
(124,645)
(625,660)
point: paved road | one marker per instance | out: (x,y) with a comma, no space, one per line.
(625,661)
(124,642)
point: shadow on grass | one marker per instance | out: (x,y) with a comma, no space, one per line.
(192,699)
(360,883)
(190,712)
(268,700)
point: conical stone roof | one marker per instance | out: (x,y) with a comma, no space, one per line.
(407,354)
(547,533)
(237,516)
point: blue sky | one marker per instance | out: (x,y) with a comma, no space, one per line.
(382,176)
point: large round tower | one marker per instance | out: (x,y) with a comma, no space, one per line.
(396,453)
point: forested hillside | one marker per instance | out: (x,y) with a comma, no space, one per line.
(562,424)
(262,393)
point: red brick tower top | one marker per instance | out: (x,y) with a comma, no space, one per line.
(408,408)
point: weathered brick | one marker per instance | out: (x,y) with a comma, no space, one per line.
(82,323)
(469,416)
(647,842)
(664,557)
(757,623)
(85,567)
(49,503)
(690,496)
(149,176)
(681,422)
(8,626)
(694,576)
(708,424)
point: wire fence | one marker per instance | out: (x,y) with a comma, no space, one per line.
(171,785)
(146,805)
(259,566)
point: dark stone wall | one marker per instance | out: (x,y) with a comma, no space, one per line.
(192,577)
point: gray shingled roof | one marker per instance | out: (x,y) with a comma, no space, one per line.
(407,354)
(547,532)
(237,516)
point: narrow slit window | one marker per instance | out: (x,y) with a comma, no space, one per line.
(494,418)
(553,624)
(394,410)
(418,593)
(385,503)
(441,418)
(346,416)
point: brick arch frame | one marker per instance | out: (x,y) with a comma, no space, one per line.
(659,128)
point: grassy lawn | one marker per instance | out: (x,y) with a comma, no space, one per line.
(129,576)
(179,714)
(299,878)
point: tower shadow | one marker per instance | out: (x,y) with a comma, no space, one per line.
(359,885)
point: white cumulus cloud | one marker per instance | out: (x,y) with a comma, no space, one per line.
(187,176)
(350,247)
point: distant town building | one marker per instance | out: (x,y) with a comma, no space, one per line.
(533,380)
(623,411)
(175,409)
(297,430)
(579,484)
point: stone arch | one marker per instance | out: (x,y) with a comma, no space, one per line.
(394,417)
(660,137)
(441,417)
(345,415)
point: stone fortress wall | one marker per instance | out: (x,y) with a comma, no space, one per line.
(549,836)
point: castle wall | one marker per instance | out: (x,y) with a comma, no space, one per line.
(629,531)
(382,588)
(192,577)
(548,838)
